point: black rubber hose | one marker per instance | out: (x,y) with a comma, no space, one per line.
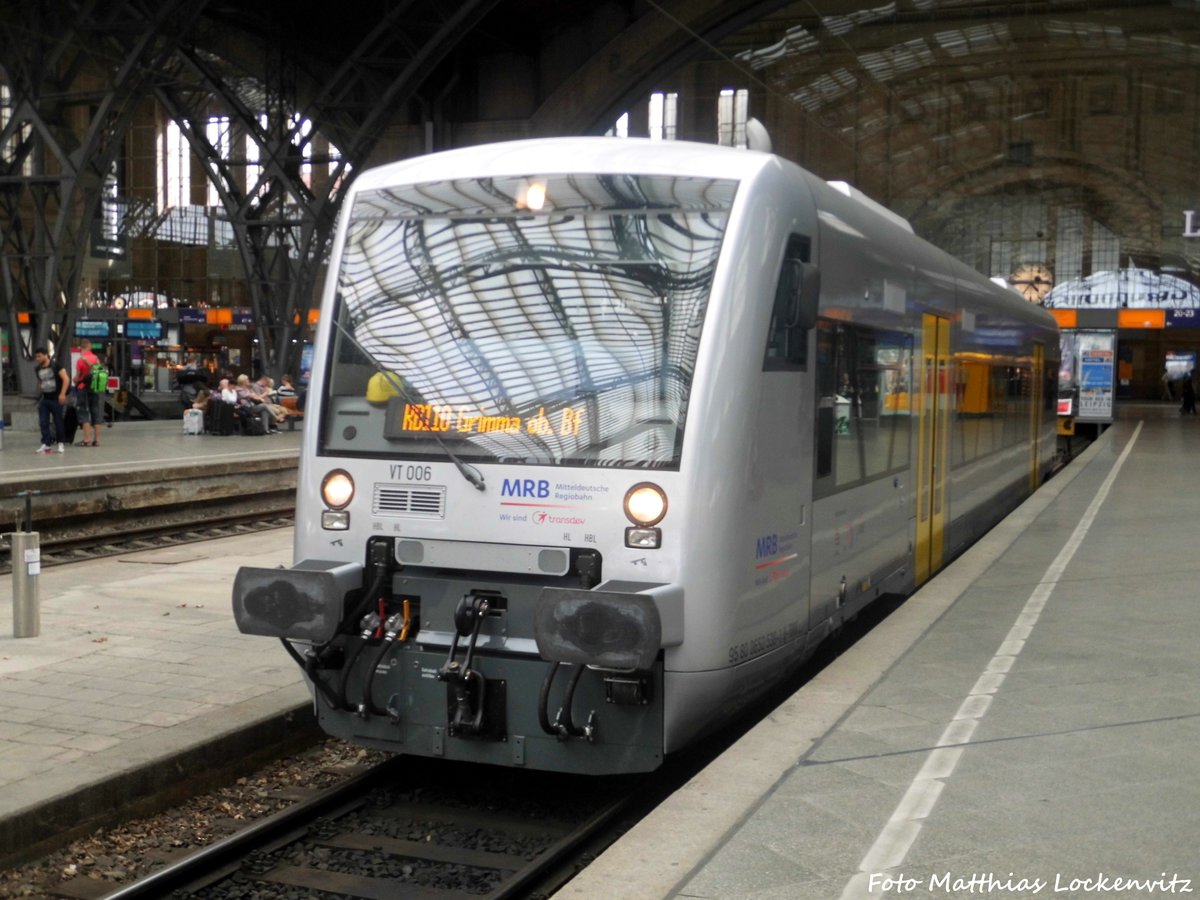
(346,667)
(568,722)
(322,688)
(367,701)
(544,700)
(369,598)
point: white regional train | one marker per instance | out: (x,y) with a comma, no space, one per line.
(606,436)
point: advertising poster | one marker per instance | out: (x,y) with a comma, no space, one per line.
(1179,365)
(1096,383)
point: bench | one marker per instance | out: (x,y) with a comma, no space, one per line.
(294,412)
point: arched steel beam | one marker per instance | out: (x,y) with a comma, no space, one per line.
(278,221)
(668,35)
(63,63)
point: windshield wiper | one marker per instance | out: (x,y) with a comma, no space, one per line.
(468,472)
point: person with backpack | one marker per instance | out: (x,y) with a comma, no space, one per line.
(83,371)
(88,396)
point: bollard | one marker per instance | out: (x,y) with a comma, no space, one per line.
(26,566)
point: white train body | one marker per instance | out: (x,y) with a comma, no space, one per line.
(514,337)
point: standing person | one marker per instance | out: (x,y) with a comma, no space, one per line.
(190,379)
(53,382)
(87,404)
(1188,391)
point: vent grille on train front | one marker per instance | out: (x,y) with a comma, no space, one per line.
(409,500)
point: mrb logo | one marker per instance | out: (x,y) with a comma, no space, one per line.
(766,546)
(525,487)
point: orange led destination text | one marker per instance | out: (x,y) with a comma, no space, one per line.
(428,417)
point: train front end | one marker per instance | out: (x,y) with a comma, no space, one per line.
(491,517)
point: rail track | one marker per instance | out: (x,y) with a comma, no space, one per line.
(413,829)
(104,542)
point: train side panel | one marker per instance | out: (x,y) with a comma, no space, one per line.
(745,564)
(872,295)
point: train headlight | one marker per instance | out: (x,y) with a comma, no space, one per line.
(645,504)
(337,490)
(643,538)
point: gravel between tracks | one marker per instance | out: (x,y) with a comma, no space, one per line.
(115,856)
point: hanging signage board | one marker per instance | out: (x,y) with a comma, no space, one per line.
(1183,318)
(1124,289)
(93,328)
(143,330)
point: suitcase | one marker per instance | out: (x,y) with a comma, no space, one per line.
(251,422)
(70,424)
(220,418)
(193,421)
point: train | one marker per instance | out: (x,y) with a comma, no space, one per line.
(605,436)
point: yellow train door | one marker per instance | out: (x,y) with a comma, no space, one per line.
(933,442)
(1036,400)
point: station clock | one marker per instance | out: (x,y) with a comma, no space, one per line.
(1033,281)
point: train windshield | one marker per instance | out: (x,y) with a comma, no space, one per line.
(550,320)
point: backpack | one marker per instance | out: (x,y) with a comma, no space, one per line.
(98,379)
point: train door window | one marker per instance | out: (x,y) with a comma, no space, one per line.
(796,289)
(885,376)
(848,410)
(980,383)
(864,379)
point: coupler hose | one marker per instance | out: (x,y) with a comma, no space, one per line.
(372,594)
(563,726)
(543,709)
(394,625)
(308,664)
(369,623)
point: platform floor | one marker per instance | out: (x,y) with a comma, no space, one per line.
(1026,725)
(149,444)
(138,666)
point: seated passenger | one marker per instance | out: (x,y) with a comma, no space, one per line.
(264,390)
(249,406)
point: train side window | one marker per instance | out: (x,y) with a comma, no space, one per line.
(794,312)
(826,404)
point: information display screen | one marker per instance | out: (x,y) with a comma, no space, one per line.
(90,328)
(143,331)
(422,419)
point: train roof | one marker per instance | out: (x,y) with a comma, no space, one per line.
(549,156)
(643,156)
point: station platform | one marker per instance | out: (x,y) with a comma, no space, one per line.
(138,671)
(143,471)
(1025,725)
(144,444)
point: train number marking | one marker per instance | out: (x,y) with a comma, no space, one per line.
(412,473)
(764,643)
